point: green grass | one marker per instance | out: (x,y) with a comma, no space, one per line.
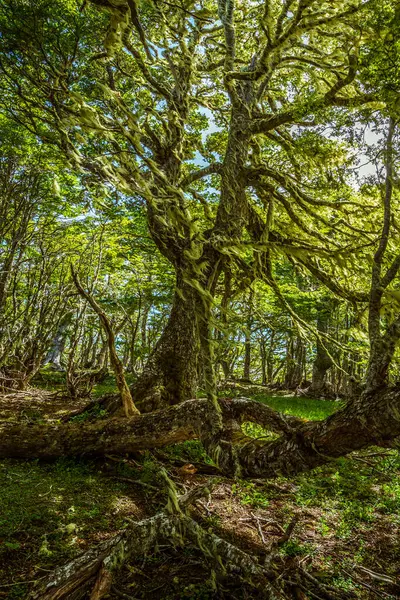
(53,380)
(349,514)
(108,385)
(250,495)
(306,408)
(353,503)
(96,412)
(191,451)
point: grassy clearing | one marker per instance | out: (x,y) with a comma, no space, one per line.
(306,408)
(349,509)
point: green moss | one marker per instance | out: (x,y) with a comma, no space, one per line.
(250,494)
(191,451)
(96,412)
(294,548)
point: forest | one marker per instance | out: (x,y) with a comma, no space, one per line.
(199,299)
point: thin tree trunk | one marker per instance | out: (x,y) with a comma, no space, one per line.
(323,362)
(58,345)
(263,355)
(294,362)
(123,388)
(247,344)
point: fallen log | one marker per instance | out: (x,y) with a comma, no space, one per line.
(300,446)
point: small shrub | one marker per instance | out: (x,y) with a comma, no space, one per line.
(250,494)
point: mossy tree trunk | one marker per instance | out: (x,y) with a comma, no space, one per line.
(170,374)
(383,341)
(124,391)
(301,446)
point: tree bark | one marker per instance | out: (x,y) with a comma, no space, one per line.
(301,446)
(263,355)
(170,374)
(123,388)
(382,343)
(247,344)
(323,362)
(294,362)
(74,579)
(58,344)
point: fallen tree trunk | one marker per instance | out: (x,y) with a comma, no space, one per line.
(119,435)
(301,446)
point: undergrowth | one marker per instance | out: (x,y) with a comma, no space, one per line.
(348,509)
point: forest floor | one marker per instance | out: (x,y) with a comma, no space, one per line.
(347,534)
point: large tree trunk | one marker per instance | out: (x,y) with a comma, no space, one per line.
(369,420)
(170,375)
(321,365)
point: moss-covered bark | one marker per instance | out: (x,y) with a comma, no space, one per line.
(301,446)
(95,568)
(170,375)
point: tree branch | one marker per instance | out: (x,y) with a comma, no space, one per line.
(200,173)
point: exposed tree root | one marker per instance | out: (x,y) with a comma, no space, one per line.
(92,574)
(300,446)
(93,571)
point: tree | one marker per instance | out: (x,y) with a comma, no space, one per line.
(32,284)
(138,118)
(134,113)
(126,398)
